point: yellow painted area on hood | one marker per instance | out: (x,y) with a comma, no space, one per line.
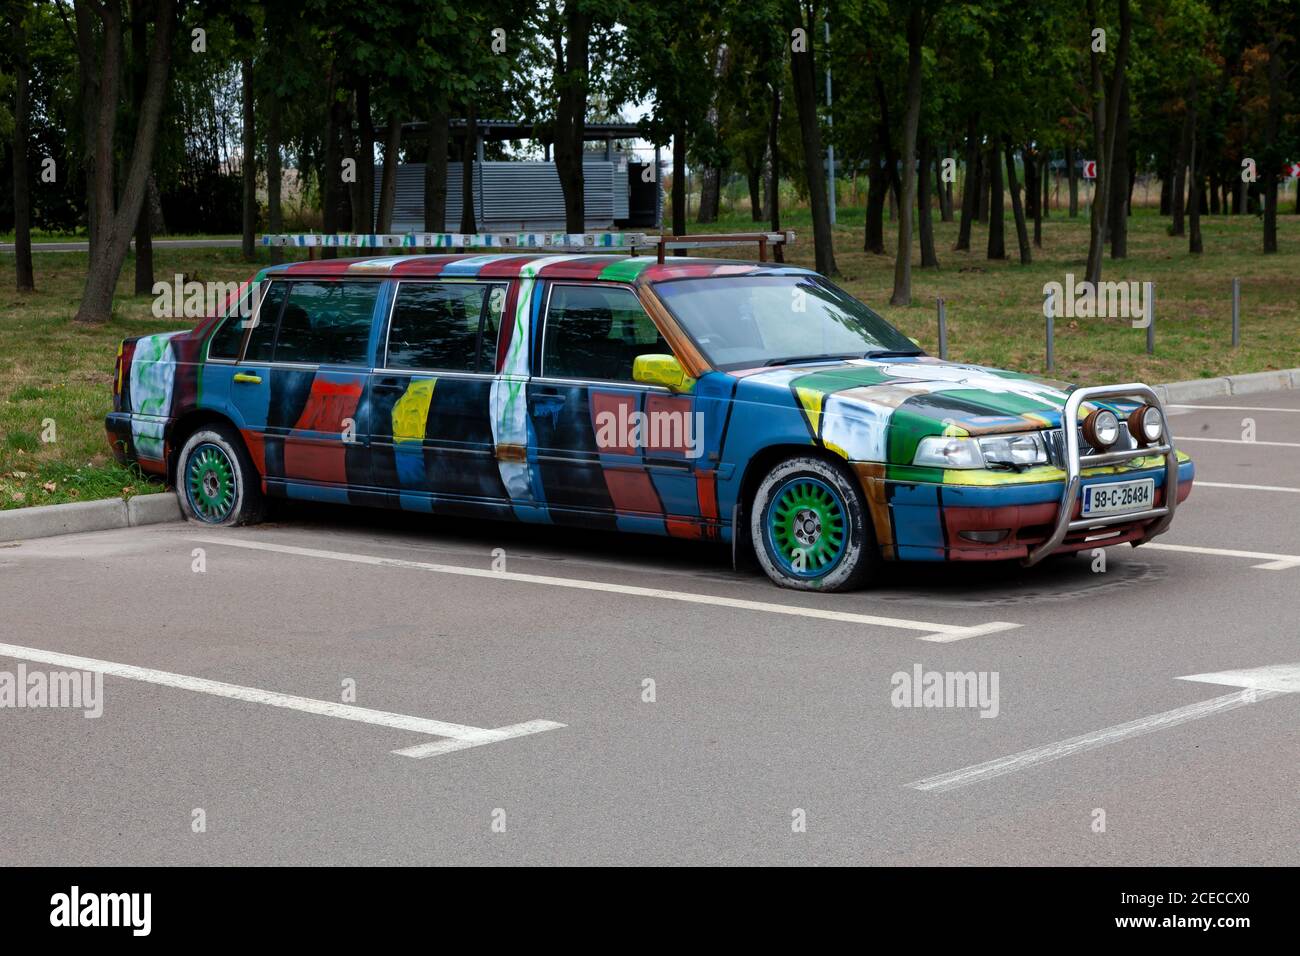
(811,399)
(411,411)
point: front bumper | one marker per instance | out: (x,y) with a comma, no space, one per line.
(1040,515)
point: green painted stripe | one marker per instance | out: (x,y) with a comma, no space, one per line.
(625,270)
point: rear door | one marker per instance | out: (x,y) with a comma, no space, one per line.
(301,384)
(431,436)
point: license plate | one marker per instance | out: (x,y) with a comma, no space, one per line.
(1118,496)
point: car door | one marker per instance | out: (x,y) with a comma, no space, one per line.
(431,437)
(610,451)
(300,387)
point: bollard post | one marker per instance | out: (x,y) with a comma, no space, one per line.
(1236,313)
(1151,318)
(943,330)
(1050,311)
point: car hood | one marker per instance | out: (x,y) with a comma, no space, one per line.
(878,410)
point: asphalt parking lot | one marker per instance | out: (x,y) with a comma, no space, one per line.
(370,688)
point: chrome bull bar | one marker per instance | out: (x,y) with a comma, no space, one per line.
(1075,463)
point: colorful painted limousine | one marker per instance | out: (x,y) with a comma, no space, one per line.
(747,403)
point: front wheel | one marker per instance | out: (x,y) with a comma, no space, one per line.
(811,529)
(216,481)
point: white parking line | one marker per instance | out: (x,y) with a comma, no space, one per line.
(1179,439)
(461,735)
(937,633)
(1275,562)
(1224,484)
(1235,408)
(980,772)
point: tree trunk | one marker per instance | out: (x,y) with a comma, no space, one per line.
(249,162)
(754,179)
(571,110)
(274,173)
(1194,243)
(435,174)
(117,223)
(944,189)
(22,176)
(1167,193)
(91,103)
(1178,204)
(710,195)
(985,179)
(1117,220)
(679,179)
(970,187)
(873,239)
(804,74)
(774,155)
(365,157)
(388,181)
(1033,193)
(332,186)
(1105,109)
(997,247)
(143,228)
(1272,159)
(925,224)
(903,256)
(469,152)
(1045,174)
(1017,207)
(1073,172)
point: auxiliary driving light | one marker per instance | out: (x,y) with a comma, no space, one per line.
(1146,425)
(1101,429)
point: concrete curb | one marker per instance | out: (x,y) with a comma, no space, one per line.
(48,520)
(1249,384)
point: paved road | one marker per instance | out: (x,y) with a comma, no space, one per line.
(762,712)
(8,247)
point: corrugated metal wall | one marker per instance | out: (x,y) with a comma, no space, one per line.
(512,196)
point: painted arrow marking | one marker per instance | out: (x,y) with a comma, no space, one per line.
(1260,683)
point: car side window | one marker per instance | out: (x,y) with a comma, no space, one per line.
(262,340)
(326,323)
(225,342)
(596,332)
(436,326)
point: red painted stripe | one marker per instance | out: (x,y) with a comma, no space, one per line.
(632,491)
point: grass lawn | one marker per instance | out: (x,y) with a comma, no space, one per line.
(53,369)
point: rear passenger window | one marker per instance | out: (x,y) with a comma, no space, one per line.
(436,326)
(262,340)
(326,323)
(595,332)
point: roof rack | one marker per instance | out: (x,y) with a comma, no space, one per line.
(557,241)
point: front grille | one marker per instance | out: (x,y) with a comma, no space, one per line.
(1056,443)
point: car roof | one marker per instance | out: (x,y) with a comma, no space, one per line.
(614,268)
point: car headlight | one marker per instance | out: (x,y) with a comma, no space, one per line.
(1014,451)
(1145,425)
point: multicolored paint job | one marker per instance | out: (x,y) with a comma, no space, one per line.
(505,444)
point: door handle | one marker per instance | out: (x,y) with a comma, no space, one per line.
(547,393)
(389,387)
(245,377)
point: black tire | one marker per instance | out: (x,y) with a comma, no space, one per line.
(206,494)
(813,506)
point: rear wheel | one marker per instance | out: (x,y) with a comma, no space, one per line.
(216,481)
(810,527)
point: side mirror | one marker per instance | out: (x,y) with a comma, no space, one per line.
(661,370)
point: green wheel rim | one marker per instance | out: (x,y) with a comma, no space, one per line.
(210,483)
(807,527)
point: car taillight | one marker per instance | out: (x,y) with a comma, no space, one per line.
(117,378)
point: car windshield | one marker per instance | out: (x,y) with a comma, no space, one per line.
(745,321)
